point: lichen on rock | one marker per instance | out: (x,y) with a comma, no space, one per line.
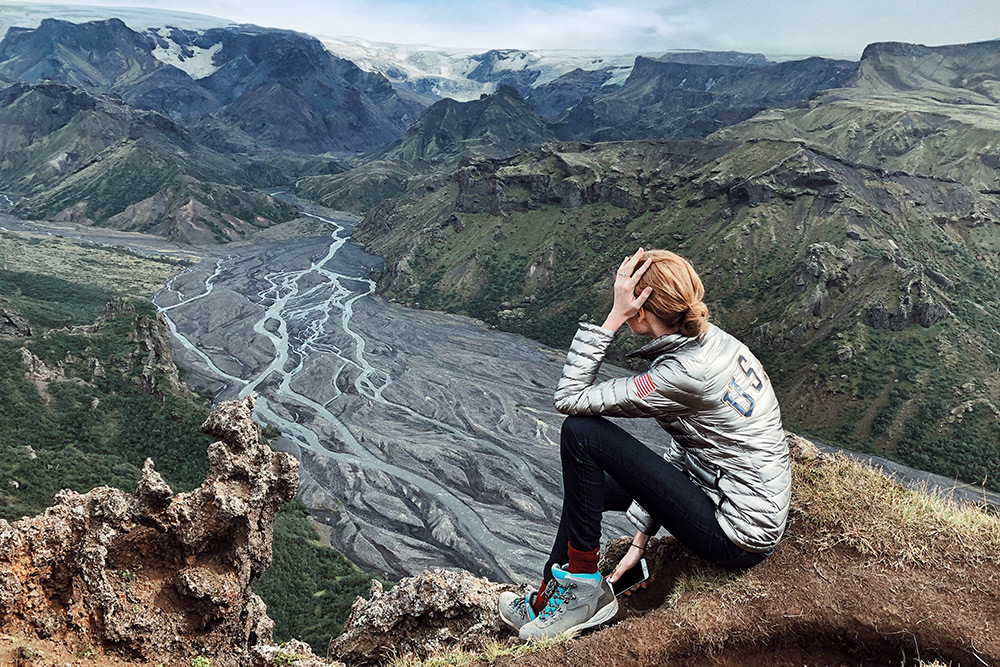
(434,611)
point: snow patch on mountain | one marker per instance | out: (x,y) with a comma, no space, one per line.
(425,70)
(551,65)
(466,75)
(197,62)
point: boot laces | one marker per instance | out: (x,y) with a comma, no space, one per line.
(519,606)
(559,595)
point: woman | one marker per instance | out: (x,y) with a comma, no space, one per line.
(721,488)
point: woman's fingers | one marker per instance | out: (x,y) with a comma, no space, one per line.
(627,268)
(619,570)
(629,560)
(633,261)
(636,271)
(636,588)
(641,298)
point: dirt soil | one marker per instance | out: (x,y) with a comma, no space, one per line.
(21,652)
(803,608)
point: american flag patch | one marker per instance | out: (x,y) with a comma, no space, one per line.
(643,385)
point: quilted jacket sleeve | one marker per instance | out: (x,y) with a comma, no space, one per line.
(646,395)
(642,519)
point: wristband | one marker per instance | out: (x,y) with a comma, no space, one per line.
(638,547)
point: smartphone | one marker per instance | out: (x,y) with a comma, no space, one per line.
(634,575)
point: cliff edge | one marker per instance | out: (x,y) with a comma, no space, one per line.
(869,573)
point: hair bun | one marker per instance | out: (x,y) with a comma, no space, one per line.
(677,294)
(695,320)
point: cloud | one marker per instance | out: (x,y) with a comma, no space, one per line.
(822,27)
(838,26)
(603,27)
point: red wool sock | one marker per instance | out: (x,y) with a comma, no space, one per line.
(540,599)
(583,562)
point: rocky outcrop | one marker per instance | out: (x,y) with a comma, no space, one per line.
(13,323)
(292,653)
(152,576)
(434,611)
(571,175)
(926,314)
(155,358)
(157,374)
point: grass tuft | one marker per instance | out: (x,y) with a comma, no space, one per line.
(489,653)
(858,506)
(724,583)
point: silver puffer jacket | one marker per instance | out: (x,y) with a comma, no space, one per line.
(712,396)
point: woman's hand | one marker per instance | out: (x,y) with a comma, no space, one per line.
(627,304)
(631,559)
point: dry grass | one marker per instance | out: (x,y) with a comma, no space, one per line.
(727,585)
(853,504)
(488,655)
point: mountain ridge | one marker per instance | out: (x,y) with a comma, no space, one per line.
(110,57)
(671,100)
(277,97)
(447,133)
(102,161)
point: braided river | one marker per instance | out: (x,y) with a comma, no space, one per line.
(425,439)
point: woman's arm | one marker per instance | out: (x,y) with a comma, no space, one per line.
(578,392)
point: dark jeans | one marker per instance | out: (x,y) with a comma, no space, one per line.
(605,469)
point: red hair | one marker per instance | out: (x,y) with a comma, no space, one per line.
(677,293)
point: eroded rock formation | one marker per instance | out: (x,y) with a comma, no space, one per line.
(13,323)
(152,576)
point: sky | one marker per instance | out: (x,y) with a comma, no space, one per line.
(774,27)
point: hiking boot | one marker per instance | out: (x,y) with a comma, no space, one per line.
(515,610)
(577,602)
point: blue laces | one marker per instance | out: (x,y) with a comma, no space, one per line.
(559,594)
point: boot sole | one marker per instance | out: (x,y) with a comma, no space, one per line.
(603,615)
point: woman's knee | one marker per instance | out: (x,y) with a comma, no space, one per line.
(577,425)
(575,429)
(578,434)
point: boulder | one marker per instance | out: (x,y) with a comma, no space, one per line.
(434,611)
(13,323)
